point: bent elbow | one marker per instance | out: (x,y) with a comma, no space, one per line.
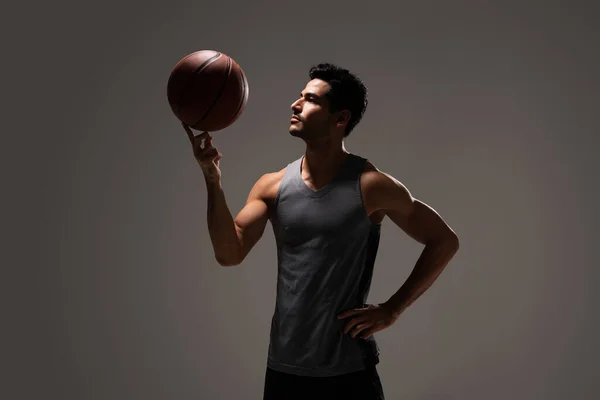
(228,261)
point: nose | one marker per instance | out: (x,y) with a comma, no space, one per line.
(296,106)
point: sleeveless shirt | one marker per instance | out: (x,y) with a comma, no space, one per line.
(326,249)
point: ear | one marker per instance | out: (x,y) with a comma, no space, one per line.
(343,117)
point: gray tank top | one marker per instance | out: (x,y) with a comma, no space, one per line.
(326,248)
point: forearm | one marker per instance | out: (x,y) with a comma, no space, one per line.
(434,258)
(221,226)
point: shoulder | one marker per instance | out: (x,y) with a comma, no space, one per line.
(267,185)
(373,178)
(381,190)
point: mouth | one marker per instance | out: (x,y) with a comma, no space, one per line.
(294,119)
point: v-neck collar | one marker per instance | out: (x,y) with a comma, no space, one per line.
(325,189)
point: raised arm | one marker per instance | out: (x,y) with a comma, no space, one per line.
(232,239)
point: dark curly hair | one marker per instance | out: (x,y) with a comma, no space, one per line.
(347,92)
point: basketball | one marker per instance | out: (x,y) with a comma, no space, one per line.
(207,90)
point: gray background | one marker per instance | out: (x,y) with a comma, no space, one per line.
(485,110)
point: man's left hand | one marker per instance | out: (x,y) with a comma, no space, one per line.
(368,320)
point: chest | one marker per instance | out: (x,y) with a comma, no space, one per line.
(299,219)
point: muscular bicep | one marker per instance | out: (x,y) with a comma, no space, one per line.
(421,222)
(250,224)
(414,217)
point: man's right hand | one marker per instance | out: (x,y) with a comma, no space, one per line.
(206,154)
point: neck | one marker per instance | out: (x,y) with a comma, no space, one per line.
(323,157)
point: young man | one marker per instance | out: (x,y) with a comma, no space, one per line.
(326,210)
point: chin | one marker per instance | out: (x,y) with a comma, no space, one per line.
(295,132)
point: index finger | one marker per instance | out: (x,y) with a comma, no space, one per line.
(189,132)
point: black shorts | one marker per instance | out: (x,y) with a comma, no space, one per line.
(360,385)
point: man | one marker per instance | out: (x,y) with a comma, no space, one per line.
(326,209)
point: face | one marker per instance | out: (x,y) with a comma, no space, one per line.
(311,118)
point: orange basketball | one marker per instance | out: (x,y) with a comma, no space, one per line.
(207,90)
